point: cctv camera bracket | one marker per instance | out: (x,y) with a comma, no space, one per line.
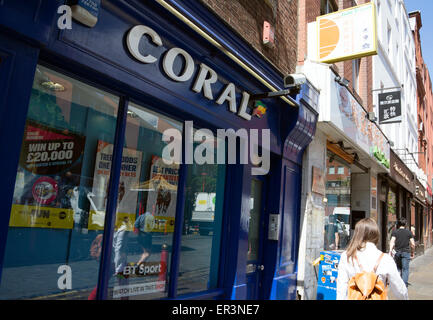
(275,94)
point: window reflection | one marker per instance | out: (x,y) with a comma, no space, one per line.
(337,215)
(200,242)
(52,235)
(146,209)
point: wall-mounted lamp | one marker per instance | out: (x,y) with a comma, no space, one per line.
(391,143)
(342,81)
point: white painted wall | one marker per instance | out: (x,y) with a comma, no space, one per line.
(312,226)
(395,65)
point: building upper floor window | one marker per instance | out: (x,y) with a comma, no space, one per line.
(328,6)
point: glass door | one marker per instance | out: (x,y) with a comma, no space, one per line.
(255,265)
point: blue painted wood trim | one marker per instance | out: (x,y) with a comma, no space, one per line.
(299,136)
(205,295)
(17,67)
(178,224)
(34,19)
(110,214)
(234,271)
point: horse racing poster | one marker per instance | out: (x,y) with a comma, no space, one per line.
(127,201)
(162,192)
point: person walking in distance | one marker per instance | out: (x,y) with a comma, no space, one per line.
(362,255)
(402,248)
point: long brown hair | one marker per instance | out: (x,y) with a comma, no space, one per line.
(366,230)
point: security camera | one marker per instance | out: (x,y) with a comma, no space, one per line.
(294,79)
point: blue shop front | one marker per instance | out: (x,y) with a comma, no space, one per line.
(91,111)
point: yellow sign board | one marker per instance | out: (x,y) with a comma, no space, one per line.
(160,224)
(97,220)
(347,34)
(41,217)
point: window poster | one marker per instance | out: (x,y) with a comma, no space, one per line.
(127,195)
(161,193)
(373,210)
(48,178)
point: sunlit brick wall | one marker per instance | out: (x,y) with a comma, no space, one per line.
(246,18)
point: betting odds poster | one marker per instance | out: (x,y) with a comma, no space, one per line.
(127,197)
(48,178)
(161,193)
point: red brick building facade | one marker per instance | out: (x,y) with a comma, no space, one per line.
(425,124)
(246,18)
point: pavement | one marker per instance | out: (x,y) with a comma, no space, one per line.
(420,277)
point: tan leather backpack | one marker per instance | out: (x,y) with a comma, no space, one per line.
(367,285)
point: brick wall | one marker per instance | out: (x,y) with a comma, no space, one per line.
(308,10)
(421,91)
(246,18)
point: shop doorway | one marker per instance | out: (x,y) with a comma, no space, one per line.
(356,216)
(256,234)
(384,224)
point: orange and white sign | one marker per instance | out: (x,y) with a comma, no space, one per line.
(347,34)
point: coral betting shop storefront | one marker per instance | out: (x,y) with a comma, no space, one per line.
(90,210)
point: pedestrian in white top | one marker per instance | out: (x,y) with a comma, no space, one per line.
(363,247)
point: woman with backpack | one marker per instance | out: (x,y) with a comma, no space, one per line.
(364,272)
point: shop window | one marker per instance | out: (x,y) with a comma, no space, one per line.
(58,208)
(146,207)
(337,211)
(201,238)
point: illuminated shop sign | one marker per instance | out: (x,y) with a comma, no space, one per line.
(347,34)
(204,80)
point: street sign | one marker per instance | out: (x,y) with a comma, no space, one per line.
(389,107)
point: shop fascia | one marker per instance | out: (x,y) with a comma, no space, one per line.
(401,173)
(204,80)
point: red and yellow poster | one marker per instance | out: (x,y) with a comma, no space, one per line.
(49,171)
